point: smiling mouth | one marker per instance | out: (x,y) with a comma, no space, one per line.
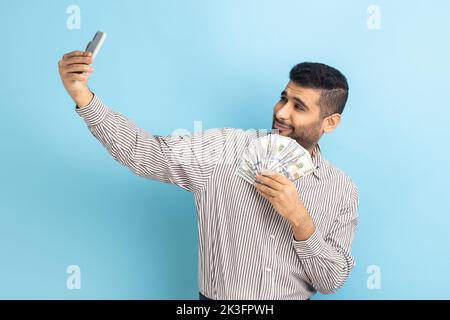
(280,126)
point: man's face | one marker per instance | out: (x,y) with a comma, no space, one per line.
(297,115)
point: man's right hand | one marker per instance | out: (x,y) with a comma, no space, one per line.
(71,68)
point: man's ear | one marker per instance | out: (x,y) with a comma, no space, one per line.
(331,122)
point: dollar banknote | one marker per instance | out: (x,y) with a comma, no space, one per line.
(275,153)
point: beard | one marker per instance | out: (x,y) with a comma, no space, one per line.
(307,136)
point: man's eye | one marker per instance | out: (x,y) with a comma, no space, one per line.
(283,99)
(299,107)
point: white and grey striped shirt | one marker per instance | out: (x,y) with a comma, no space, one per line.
(246,249)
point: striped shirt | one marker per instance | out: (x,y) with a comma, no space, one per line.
(246,249)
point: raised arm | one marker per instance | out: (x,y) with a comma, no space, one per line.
(185,160)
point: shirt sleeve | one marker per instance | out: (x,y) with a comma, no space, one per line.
(327,259)
(184,160)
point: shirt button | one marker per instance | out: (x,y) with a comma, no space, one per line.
(268,269)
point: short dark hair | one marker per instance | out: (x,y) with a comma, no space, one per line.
(330,81)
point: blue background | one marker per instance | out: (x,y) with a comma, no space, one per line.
(165,64)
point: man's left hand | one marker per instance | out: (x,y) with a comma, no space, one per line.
(283,196)
(281,193)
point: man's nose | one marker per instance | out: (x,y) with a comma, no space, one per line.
(284,112)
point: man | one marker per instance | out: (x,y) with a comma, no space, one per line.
(275,239)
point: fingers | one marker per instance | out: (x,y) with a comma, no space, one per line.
(75,57)
(275,177)
(78,68)
(265,190)
(268,198)
(73,54)
(75,60)
(267,180)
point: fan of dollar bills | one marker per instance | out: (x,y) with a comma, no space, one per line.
(275,153)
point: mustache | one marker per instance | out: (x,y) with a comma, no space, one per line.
(275,119)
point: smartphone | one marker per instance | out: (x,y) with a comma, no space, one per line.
(96,43)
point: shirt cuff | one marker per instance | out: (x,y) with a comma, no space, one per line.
(94,113)
(311,247)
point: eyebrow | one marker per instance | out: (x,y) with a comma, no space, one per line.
(297,99)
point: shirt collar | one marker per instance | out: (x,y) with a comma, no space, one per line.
(317,161)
